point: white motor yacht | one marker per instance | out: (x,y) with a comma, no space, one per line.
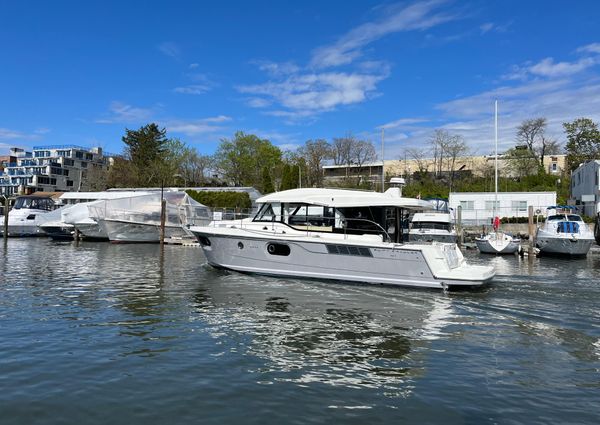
(432,226)
(564,233)
(336,234)
(24,217)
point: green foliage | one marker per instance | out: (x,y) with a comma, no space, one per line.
(242,159)
(286,178)
(583,141)
(267,182)
(225,199)
(149,159)
(427,186)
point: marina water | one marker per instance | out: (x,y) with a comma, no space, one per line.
(96,333)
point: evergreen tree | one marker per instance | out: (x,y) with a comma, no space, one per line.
(144,149)
(267,181)
(286,177)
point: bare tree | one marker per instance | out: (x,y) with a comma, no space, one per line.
(453,149)
(314,153)
(419,156)
(531,133)
(341,150)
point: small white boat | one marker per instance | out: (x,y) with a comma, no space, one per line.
(24,217)
(432,226)
(498,243)
(336,234)
(564,233)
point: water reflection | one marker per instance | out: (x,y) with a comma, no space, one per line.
(339,335)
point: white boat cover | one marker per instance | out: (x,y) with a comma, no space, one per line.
(181,209)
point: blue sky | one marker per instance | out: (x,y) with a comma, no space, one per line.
(74,72)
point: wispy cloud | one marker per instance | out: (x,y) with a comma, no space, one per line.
(308,94)
(192,89)
(403,123)
(398,18)
(200,83)
(549,68)
(170,49)
(195,127)
(7,134)
(275,69)
(122,113)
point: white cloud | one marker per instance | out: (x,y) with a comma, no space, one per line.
(549,68)
(7,134)
(402,123)
(590,48)
(193,89)
(257,102)
(487,27)
(276,69)
(123,113)
(308,94)
(169,49)
(195,127)
(415,16)
(285,141)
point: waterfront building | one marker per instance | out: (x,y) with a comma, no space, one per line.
(477,166)
(585,187)
(478,207)
(56,168)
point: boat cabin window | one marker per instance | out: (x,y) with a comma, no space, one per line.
(45,204)
(432,225)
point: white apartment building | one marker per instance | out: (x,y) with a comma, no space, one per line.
(585,187)
(478,207)
(56,168)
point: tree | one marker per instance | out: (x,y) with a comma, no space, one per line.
(455,148)
(521,162)
(242,159)
(143,148)
(583,141)
(194,167)
(314,153)
(267,182)
(286,177)
(532,134)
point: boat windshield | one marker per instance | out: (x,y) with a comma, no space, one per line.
(34,203)
(568,217)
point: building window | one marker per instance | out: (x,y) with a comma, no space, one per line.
(69,183)
(489,205)
(69,162)
(520,206)
(467,205)
(554,166)
(89,156)
(78,154)
(83,164)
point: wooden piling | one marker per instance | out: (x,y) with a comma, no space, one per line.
(163,207)
(459,227)
(531,231)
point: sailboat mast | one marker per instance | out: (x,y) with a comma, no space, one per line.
(496,161)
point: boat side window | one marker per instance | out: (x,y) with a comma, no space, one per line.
(574,217)
(556,217)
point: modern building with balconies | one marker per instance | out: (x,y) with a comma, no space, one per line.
(56,168)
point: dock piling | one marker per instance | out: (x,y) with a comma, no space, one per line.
(531,231)
(6,205)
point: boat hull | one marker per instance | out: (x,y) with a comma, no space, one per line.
(487,246)
(395,265)
(129,232)
(91,231)
(23,230)
(563,246)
